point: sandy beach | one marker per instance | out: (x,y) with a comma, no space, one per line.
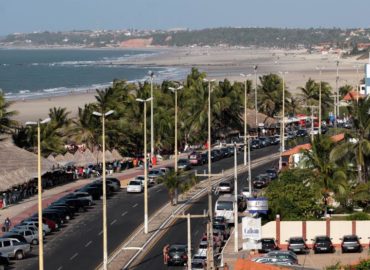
(219,63)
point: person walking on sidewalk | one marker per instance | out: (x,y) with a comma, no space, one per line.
(7,224)
(166,250)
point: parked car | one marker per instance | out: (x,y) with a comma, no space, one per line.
(268,244)
(283,255)
(113,185)
(183,164)
(351,243)
(215,155)
(154,175)
(52,225)
(30,236)
(198,264)
(204,157)
(135,186)
(115,180)
(297,245)
(177,255)
(323,244)
(63,209)
(14,235)
(256,144)
(95,192)
(302,133)
(79,195)
(226,187)
(45,227)
(32,228)
(13,248)
(259,182)
(195,158)
(265,141)
(272,173)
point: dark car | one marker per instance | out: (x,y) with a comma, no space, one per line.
(281,255)
(195,158)
(261,180)
(65,209)
(302,133)
(323,244)
(242,203)
(297,245)
(265,141)
(115,180)
(95,192)
(62,215)
(268,244)
(256,144)
(351,243)
(274,140)
(224,228)
(204,157)
(226,153)
(272,173)
(183,164)
(216,155)
(177,255)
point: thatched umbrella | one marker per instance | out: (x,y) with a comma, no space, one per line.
(51,158)
(68,157)
(89,157)
(59,159)
(116,155)
(98,156)
(108,156)
(78,158)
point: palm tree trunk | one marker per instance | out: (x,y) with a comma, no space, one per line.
(176,196)
(359,169)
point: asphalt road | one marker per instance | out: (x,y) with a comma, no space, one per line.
(79,244)
(177,232)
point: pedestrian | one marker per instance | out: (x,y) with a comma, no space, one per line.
(7,224)
(166,250)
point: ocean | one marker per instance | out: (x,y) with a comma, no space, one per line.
(30,73)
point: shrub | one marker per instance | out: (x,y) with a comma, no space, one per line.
(359,216)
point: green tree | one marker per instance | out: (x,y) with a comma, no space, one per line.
(7,124)
(172,183)
(292,196)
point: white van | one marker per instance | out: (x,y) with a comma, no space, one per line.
(224,207)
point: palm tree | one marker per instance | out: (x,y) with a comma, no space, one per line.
(344,90)
(310,92)
(172,183)
(329,177)
(59,116)
(357,144)
(7,124)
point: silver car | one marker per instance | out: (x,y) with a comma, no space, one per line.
(13,248)
(30,236)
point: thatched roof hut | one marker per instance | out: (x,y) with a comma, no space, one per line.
(59,159)
(78,158)
(116,155)
(108,156)
(19,165)
(89,157)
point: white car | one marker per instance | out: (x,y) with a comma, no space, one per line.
(246,192)
(134,187)
(45,227)
(203,246)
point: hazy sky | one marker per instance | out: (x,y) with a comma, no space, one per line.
(54,15)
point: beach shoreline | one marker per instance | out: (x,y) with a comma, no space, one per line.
(218,63)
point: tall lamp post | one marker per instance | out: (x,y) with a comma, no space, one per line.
(282,127)
(39,191)
(245,116)
(255,95)
(210,210)
(151,74)
(176,151)
(145,169)
(336,103)
(105,233)
(236,233)
(320,88)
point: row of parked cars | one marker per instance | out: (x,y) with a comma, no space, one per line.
(18,242)
(136,185)
(297,245)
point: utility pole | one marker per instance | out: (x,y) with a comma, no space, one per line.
(312,107)
(320,69)
(336,103)
(188,216)
(151,74)
(255,96)
(236,233)
(282,126)
(245,117)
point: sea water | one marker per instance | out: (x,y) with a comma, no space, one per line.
(34,73)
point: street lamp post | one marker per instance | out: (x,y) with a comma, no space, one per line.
(320,86)
(151,74)
(255,95)
(245,117)
(210,210)
(145,168)
(336,103)
(105,233)
(282,127)
(176,151)
(39,192)
(236,233)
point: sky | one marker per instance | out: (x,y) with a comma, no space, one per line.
(61,15)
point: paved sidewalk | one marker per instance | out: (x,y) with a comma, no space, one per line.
(25,208)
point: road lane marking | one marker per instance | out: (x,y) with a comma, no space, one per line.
(124,213)
(134,205)
(101,232)
(74,256)
(159,190)
(114,221)
(60,268)
(196,232)
(88,243)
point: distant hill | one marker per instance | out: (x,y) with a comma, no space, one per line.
(264,37)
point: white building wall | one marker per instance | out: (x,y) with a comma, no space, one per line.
(363,231)
(289,229)
(338,229)
(269,230)
(315,228)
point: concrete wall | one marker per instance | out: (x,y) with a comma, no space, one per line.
(282,230)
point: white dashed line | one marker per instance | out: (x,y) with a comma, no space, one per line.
(101,232)
(60,268)
(123,214)
(159,190)
(88,243)
(74,256)
(134,205)
(114,221)
(196,232)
